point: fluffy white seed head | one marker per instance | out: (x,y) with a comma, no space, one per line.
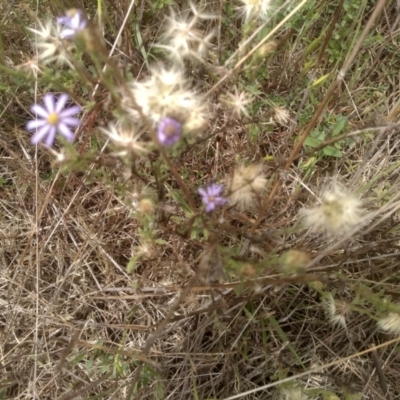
(246,185)
(337,311)
(339,212)
(183,38)
(167,93)
(237,102)
(31,67)
(50,47)
(390,324)
(281,116)
(255,9)
(126,141)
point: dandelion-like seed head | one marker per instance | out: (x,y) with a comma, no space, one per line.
(281,116)
(146,206)
(182,37)
(246,185)
(167,93)
(49,44)
(339,212)
(126,141)
(255,9)
(169,79)
(237,102)
(51,118)
(337,311)
(211,196)
(30,67)
(390,324)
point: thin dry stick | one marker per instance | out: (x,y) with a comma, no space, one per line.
(381,375)
(342,73)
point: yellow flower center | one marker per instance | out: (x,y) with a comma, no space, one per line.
(72,12)
(53,118)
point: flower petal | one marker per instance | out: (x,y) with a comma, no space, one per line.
(49,102)
(62,100)
(66,132)
(40,110)
(71,121)
(202,192)
(68,112)
(215,190)
(35,123)
(220,201)
(50,137)
(40,134)
(67,33)
(210,207)
(75,21)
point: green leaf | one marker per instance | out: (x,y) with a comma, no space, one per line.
(313,46)
(309,163)
(307,66)
(320,80)
(341,123)
(132,263)
(89,365)
(320,136)
(312,142)
(331,151)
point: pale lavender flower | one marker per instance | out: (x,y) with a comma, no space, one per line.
(51,118)
(210,196)
(169,131)
(74,21)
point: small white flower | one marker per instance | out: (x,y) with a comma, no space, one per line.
(339,212)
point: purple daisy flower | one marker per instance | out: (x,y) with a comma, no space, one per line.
(74,21)
(210,196)
(169,131)
(53,118)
